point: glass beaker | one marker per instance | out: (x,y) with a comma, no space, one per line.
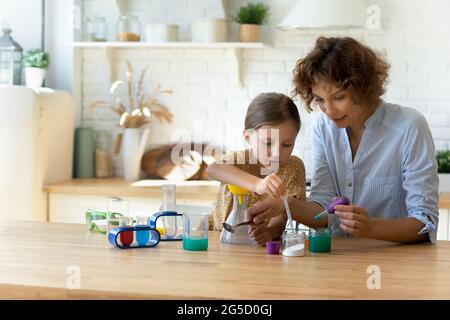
(293,243)
(195,231)
(320,240)
(116,208)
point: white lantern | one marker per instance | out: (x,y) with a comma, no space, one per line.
(10,59)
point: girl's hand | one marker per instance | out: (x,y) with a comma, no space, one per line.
(271,185)
(265,210)
(261,233)
(354,220)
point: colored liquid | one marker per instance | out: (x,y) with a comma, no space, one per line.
(142,237)
(195,244)
(320,243)
(126,238)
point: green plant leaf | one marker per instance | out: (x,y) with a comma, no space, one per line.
(36,58)
(252,14)
(443,161)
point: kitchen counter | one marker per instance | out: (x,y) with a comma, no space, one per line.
(143,188)
(38,260)
(69,200)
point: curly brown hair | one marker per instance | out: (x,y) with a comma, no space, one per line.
(345,63)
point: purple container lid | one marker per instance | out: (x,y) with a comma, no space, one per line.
(273,247)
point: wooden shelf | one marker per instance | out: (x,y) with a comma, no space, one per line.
(109,49)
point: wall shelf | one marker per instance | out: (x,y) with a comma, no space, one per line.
(172,45)
(109,49)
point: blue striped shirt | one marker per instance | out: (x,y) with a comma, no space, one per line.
(393,175)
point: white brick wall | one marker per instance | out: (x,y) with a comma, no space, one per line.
(207,101)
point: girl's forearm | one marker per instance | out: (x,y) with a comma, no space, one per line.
(277,226)
(229,174)
(402,230)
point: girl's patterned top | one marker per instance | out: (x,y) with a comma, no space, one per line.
(292,173)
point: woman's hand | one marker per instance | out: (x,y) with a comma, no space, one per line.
(354,220)
(271,185)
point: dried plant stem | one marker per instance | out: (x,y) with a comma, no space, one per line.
(130,85)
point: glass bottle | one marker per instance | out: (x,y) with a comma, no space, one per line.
(96,29)
(128,28)
(237,215)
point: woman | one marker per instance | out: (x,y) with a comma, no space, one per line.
(379,155)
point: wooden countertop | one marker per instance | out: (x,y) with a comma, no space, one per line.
(35,258)
(116,186)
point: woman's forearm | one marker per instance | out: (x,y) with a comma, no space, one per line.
(229,174)
(404,230)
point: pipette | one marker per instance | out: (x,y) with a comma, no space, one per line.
(340,201)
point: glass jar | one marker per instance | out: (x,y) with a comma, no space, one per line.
(128,28)
(96,29)
(293,243)
(320,240)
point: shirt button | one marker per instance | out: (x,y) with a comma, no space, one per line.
(349,184)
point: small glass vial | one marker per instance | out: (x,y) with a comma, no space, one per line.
(96,29)
(128,28)
(320,240)
(293,244)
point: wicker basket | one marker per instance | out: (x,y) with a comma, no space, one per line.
(249,32)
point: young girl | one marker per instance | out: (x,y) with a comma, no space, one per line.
(267,168)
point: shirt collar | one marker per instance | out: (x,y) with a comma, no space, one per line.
(375,116)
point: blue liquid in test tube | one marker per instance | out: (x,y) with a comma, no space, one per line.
(142,237)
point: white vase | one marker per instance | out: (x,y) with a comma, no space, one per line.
(444,182)
(133,147)
(34,77)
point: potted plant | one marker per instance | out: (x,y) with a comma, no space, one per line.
(250,19)
(35,63)
(443,160)
(141,110)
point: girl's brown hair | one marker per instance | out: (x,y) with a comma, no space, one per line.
(271,109)
(346,63)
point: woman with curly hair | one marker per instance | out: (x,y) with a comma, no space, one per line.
(377,154)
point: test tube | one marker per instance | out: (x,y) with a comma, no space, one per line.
(169,197)
(126,237)
(116,207)
(142,237)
